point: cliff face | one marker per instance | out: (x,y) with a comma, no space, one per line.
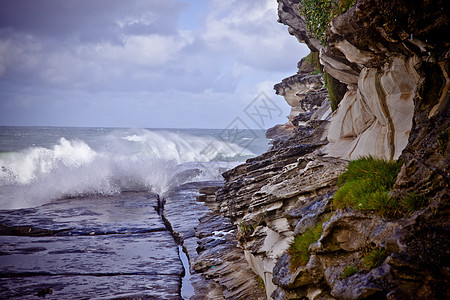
(393,57)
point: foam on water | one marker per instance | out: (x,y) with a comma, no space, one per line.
(138,160)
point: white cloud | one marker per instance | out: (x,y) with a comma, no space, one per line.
(248,30)
(141,56)
(149,51)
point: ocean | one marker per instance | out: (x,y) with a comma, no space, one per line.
(41,164)
(78,215)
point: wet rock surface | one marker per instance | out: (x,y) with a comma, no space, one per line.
(125,246)
(89,247)
(218,269)
(91,287)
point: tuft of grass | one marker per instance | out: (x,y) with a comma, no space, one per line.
(299,249)
(245,232)
(370,168)
(412,202)
(374,258)
(365,186)
(349,271)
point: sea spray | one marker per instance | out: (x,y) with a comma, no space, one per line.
(140,160)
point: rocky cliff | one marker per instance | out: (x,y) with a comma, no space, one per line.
(389,61)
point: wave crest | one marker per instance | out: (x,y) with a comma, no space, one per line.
(140,160)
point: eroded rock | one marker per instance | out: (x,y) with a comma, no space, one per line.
(396,70)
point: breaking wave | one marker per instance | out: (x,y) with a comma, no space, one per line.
(140,160)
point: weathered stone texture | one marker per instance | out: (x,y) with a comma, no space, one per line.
(394,58)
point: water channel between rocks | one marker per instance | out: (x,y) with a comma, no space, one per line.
(101,247)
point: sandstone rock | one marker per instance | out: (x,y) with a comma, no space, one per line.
(396,106)
(289,15)
(280,133)
(302,93)
(221,262)
(265,206)
(337,66)
(377,118)
(307,215)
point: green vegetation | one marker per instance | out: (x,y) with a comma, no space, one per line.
(349,271)
(312,59)
(341,7)
(319,13)
(261,283)
(245,231)
(365,186)
(374,258)
(299,249)
(336,90)
(412,202)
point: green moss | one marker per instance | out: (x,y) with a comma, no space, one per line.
(349,271)
(341,7)
(319,13)
(336,90)
(315,61)
(374,258)
(299,249)
(365,186)
(261,283)
(312,59)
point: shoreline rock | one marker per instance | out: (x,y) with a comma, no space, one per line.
(395,65)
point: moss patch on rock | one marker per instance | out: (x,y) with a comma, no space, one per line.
(319,13)
(336,90)
(299,249)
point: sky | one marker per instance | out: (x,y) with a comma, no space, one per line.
(143,63)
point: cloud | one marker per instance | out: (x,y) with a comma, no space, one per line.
(90,21)
(247,30)
(115,56)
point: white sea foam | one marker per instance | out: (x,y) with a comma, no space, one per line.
(141,160)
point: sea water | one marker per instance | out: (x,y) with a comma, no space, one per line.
(41,164)
(95,191)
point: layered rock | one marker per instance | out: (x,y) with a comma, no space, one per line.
(394,59)
(376,118)
(261,195)
(302,93)
(218,269)
(377,58)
